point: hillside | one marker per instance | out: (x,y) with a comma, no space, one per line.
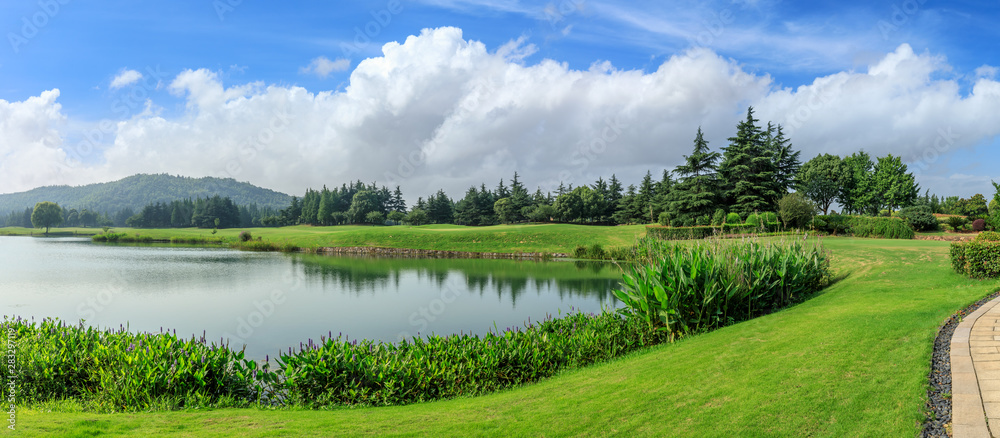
(137,191)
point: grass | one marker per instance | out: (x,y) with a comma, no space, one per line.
(852,361)
(541,238)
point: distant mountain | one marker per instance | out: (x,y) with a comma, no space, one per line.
(137,191)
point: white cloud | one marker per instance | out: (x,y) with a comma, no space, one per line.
(438,111)
(322,66)
(125,78)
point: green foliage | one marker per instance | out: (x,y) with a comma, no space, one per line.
(697,190)
(988,236)
(920,218)
(396,216)
(753,220)
(698,232)
(833,224)
(769,217)
(733,219)
(686,289)
(664,219)
(956,222)
(820,180)
(976,259)
(719,217)
(881,227)
(795,210)
(594,251)
(340,372)
(994,209)
(417,217)
(749,171)
(45,215)
(375,218)
(245,236)
(114,370)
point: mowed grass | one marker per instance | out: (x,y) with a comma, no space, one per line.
(547,238)
(852,361)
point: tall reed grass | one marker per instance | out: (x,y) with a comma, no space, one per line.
(684,289)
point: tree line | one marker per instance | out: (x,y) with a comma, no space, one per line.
(751,175)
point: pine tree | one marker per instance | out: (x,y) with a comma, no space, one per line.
(786,160)
(748,171)
(644,206)
(696,193)
(614,196)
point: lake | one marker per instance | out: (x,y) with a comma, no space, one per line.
(273,301)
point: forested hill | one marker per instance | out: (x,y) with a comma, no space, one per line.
(140,190)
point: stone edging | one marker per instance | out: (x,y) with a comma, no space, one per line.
(946,357)
(430,253)
(968,415)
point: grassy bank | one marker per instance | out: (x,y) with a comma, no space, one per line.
(541,238)
(850,362)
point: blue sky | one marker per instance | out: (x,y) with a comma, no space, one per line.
(179,87)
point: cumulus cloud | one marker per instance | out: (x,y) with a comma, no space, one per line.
(439,111)
(322,66)
(125,78)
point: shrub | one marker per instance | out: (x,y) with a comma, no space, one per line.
(977,259)
(818,224)
(734,218)
(795,210)
(114,370)
(594,251)
(340,372)
(956,222)
(704,220)
(719,217)
(769,217)
(664,219)
(920,218)
(883,213)
(883,227)
(245,236)
(692,233)
(978,225)
(989,236)
(685,289)
(753,220)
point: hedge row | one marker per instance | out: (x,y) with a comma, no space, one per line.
(702,232)
(977,258)
(863,226)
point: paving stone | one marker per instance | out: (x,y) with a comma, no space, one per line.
(989,384)
(968,430)
(964,383)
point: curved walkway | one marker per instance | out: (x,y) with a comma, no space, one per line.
(975,374)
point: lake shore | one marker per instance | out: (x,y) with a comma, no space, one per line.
(503,241)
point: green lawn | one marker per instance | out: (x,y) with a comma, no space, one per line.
(852,361)
(549,238)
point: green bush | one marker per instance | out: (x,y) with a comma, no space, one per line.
(796,210)
(114,370)
(686,289)
(989,236)
(956,222)
(694,233)
(245,236)
(733,218)
(883,227)
(769,217)
(719,217)
(753,220)
(664,219)
(977,258)
(920,218)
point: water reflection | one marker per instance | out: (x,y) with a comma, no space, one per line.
(500,278)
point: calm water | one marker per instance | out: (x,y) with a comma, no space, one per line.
(271,301)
